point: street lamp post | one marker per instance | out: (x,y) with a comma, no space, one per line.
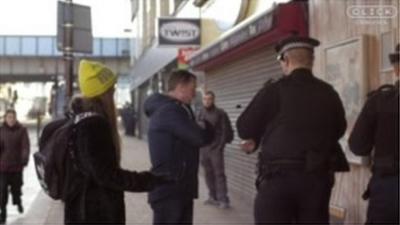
(68,51)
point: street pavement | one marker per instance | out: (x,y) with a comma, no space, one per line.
(40,209)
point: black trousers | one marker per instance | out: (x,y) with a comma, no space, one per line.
(173,210)
(10,181)
(383,207)
(294,197)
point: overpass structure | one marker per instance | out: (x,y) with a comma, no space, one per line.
(36,58)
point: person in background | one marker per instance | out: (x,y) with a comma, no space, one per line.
(14,156)
(128,119)
(212,155)
(95,181)
(174,140)
(377,128)
(124,116)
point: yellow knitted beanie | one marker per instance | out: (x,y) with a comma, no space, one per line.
(95,78)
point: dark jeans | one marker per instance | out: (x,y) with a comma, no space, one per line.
(173,210)
(383,207)
(12,181)
(294,197)
(212,161)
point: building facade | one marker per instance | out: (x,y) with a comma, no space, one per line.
(151,63)
(236,57)
(356,37)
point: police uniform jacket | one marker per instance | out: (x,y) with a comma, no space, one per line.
(297,118)
(378,127)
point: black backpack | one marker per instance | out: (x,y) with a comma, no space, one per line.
(55,147)
(229,130)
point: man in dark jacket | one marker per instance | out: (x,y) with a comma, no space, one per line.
(212,155)
(298,121)
(174,142)
(377,127)
(14,156)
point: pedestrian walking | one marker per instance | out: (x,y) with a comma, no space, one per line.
(95,181)
(124,116)
(129,119)
(14,156)
(174,141)
(297,122)
(212,155)
(377,127)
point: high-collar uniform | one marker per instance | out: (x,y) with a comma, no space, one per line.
(377,130)
(297,122)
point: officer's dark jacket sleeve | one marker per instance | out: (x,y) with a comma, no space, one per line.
(361,140)
(252,123)
(98,158)
(341,118)
(177,120)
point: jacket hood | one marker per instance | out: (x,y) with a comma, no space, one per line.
(155,102)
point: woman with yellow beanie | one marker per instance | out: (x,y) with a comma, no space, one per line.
(95,182)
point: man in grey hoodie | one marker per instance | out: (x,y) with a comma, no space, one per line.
(212,155)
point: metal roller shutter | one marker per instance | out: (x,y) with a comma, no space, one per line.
(235,84)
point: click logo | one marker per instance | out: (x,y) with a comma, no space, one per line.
(372,11)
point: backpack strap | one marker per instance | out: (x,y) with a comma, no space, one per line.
(82,116)
(72,139)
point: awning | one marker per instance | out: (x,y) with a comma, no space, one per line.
(261,31)
(150,63)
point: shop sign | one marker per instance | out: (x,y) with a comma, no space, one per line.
(183,56)
(178,32)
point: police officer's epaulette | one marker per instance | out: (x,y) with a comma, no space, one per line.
(272,81)
(381,89)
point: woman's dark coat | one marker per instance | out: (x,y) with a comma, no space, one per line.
(96,183)
(14,148)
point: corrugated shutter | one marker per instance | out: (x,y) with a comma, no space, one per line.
(236,84)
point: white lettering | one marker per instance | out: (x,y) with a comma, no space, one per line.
(180,31)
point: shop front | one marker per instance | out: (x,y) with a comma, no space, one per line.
(237,66)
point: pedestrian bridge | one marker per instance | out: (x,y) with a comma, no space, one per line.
(36,58)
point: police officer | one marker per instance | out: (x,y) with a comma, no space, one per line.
(377,127)
(297,120)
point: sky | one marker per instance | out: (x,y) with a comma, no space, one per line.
(39,17)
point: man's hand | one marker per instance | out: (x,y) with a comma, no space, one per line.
(201,124)
(248,146)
